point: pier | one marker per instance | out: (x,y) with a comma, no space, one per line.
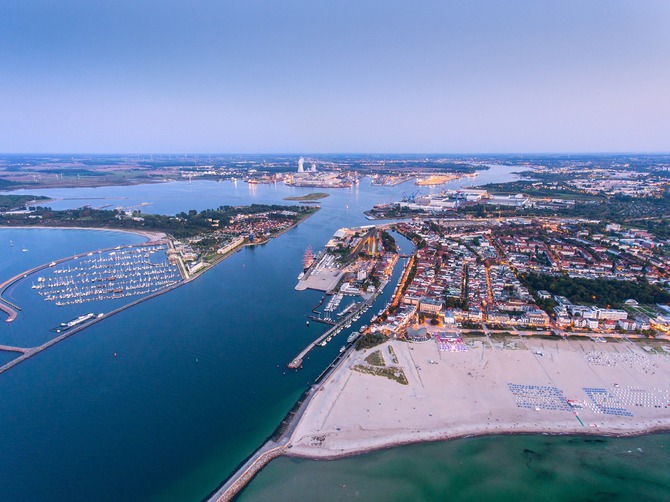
(7,348)
(297,361)
(249,469)
(11,313)
(278,444)
(12,310)
(31,351)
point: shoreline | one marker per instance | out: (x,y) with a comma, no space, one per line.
(389,444)
(149,234)
(288,442)
(151,237)
(469,394)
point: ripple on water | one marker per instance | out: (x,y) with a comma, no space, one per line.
(489,468)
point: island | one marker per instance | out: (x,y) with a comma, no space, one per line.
(308,197)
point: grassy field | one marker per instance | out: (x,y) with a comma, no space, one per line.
(309,196)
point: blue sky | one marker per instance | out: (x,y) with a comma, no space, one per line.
(312,76)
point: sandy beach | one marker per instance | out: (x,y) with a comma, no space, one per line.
(520,385)
(150,235)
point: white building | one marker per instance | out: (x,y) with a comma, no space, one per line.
(614,314)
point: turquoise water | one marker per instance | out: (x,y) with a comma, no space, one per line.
(199,379)
(504,468)
(185,399)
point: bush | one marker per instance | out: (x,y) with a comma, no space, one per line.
(370,340)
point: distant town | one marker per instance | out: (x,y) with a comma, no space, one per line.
(576,245)
(536,285)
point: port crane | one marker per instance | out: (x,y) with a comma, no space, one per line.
(406,197)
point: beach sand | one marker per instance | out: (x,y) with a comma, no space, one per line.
(473,393)
(151,235)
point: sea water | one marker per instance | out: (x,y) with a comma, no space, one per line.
(163,400)
(504,468)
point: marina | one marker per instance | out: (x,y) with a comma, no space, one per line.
(108,275)
(155,374)
(350,314)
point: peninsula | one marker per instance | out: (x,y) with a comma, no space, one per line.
(124,276)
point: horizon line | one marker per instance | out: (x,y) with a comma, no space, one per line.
(121,154)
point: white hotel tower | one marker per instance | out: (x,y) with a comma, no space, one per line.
(301,168)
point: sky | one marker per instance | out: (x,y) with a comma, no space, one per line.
(315,76)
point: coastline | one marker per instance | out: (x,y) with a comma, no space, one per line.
(151,237)
(356,413)
(149,234)
(388,444)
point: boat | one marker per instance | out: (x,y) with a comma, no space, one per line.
(353,337)
(342,349)
(78,320)
(25,249)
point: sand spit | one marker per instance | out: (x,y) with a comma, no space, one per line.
(521,385)
(151,235)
